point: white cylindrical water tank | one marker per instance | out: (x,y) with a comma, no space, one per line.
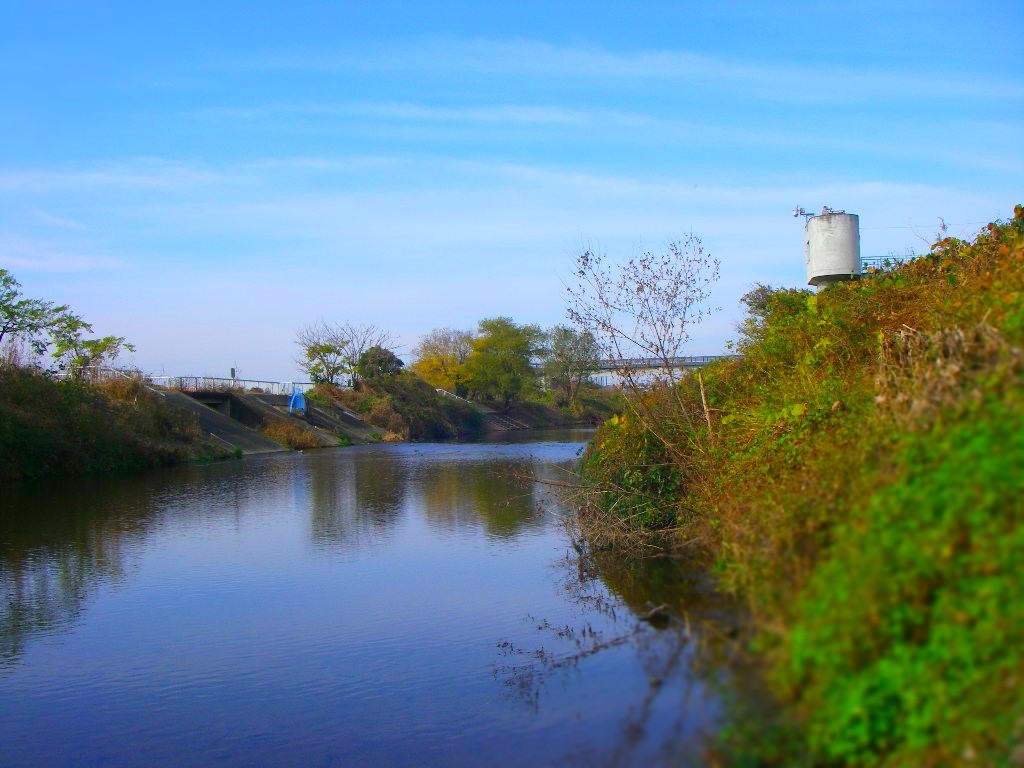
(833,248)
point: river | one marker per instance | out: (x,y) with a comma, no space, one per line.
(388,605)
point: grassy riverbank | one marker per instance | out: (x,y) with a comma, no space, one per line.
(859,477)
(50,428)
(404,407)
(592,407)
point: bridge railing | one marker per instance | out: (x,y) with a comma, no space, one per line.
(98,373)
(446,393)
(655,363)
(217,384)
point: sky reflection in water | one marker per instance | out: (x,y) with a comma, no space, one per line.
(384,605)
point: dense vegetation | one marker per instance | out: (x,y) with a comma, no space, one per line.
(506,362)
(543,376)
(54,427)
(859,475)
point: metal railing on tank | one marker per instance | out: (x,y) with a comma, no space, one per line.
(871,265)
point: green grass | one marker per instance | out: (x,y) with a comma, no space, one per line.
(50,428)
(406,406)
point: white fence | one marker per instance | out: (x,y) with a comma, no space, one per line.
(95,373)
(215,384)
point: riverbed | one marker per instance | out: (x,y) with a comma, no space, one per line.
(387,605)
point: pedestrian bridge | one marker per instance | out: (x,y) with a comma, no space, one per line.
(657,363)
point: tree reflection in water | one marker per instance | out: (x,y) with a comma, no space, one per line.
(683,634)
(60,543)
(494,494)
(355,502)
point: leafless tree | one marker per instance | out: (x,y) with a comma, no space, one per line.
(643,309)
(331,350)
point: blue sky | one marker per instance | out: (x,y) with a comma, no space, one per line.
(205,178)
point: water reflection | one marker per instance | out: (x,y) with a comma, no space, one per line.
(59,543)
(498,495)
(338,605)
(355,503)
(51,559)
(667,616)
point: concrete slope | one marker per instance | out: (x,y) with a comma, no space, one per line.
(327,419)
(493,419)
(343,422)
(269,407)
(223,428)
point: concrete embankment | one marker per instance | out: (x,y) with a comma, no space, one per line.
(224,429)
(236,419)
(327,420)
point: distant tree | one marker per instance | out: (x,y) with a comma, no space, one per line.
(322,353)
(46,326)
(29,320)
(73,351)
(571,358)
(332,350)
(378,363)
(501,363)
(441,358)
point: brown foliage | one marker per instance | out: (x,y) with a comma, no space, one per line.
(921,373)
(292,435)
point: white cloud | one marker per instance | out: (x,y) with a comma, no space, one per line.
(491,114)
(529,58)
(29,256)
(147,174)
(56,222)
(414,243)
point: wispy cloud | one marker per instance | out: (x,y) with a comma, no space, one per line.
(943,145)
(53,221)
(530,58)
(26,255)
(142,173)
(501,114)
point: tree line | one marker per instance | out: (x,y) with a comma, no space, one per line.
(501,360)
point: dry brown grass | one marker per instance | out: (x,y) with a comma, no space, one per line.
(921,373)
(291,434)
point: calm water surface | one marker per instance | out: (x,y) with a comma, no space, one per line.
(392,605)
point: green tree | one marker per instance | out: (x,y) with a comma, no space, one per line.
(31,320)
(378,363)
(501,363)
(73,351)
(571,357)
(43,324)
